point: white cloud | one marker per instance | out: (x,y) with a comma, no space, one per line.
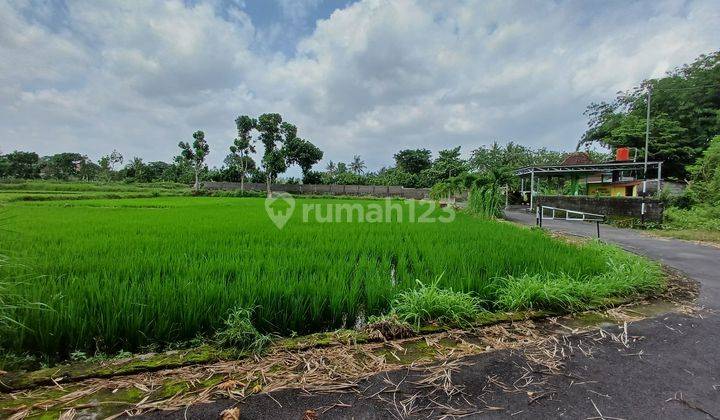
(372,78)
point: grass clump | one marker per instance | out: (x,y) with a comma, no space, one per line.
(240,333)
(430,303)
(627,275)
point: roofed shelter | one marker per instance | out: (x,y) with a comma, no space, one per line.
(620,177)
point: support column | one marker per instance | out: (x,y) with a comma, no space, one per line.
(532,188)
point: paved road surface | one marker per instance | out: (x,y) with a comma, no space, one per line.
(672,371)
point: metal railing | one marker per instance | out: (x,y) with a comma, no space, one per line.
(570,215)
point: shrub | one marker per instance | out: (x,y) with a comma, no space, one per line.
(485,202)
(699,217)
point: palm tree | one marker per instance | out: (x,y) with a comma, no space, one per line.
(136,164)
(331,168)
(357,165)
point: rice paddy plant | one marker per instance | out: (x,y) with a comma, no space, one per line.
(129,273)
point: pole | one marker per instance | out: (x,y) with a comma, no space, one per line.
(647,129)
(598,229)
(659,177)
(645,166)
(532,187)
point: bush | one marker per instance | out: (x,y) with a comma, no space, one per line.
(240,333)
(485,202)
(699,217)
(431,304)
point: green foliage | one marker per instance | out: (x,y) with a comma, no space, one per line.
(125,274)
(302,153)
(413,161)
(627,275)
(294,150)
(699,206)
(431,304)
(357,166)
(23,165)
(685,106)
(705,183)
(701,216)
(195,155)
(239,160)
(485,202)
(240,333)
(62,166)
(511,156)
(448,164)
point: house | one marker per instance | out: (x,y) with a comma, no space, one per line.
(616,182)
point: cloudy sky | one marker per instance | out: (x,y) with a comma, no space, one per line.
(368,77)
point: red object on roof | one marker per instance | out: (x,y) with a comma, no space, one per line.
(577,158)
(622,153)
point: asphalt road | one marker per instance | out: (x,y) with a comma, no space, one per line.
(670,369)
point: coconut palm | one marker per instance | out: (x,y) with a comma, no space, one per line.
(357,166)
(331,168)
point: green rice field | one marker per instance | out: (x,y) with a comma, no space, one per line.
(122,274)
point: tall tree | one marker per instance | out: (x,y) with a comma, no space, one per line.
(242,146)
(684,116)
(448,164)
(115,158)
(104,167)
(273,161)
(413,161)
(136,166)
(22,164)
(331,168)
(303,153)
(357,166)
(195,155)
(63,165)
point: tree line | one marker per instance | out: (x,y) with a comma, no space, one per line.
(685,115)
(415,168)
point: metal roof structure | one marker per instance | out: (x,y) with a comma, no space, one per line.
(536,172)
(585,168)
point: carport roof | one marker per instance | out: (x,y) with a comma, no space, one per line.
(585,168)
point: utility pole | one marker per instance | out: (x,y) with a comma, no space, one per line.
(647,143)
(647,128)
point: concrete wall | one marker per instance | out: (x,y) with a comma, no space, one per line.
(610,206)
(369,190)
